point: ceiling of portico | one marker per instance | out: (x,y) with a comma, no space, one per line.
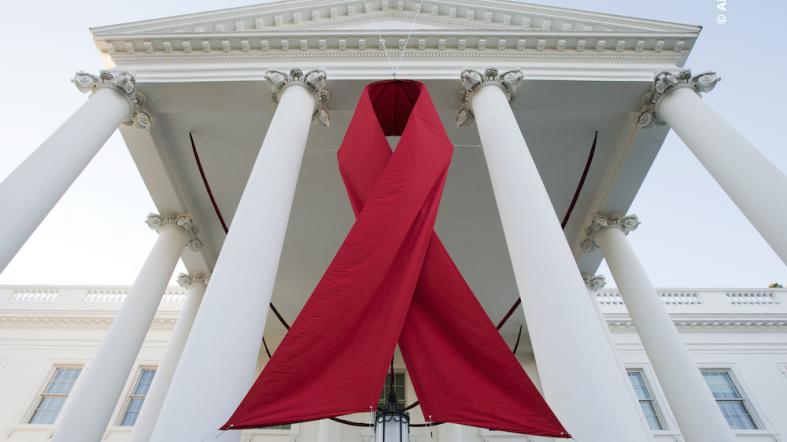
(229,120)
(585,71)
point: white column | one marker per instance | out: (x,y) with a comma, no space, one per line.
(452,433)
(225,339)
(32,189)
(195,287)
(756,185)
(89,407)
(329,431)
(576,365)
(695,409)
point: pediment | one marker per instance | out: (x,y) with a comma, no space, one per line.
(390,15)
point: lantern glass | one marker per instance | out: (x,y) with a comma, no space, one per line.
(392,427)
(392,423)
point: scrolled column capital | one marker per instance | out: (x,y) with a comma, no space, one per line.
(667,82)
(594,283)
(157,221)
(314,80)
(122,82)
(186,280)
(472,80)
(601,222)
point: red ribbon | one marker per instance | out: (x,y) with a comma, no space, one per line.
(393,281)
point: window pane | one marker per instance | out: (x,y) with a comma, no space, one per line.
(145,379)
(48,409)
(646,401)
(721,385)
(54,396)
(62,381)
(729,399)
(278,427)
(650,415)
(737,416)
(137,397)
(639,385)
(132,411)
(398,389)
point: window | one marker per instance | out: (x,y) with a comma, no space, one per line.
(279,427)
(646,401)
(398,389)
(732,403)
(137,396)
(51,400)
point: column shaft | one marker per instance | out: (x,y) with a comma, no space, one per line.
(696,411)
(755,184)
(329,431)
(154,400)
(89,407)
(32,189)
(225,339)
(576,363)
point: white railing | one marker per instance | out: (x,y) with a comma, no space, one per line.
(749,297)
(34,295)
(707,301)
(78,298)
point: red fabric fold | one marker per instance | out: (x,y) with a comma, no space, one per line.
(393,281)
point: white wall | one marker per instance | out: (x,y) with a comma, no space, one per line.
(42,328)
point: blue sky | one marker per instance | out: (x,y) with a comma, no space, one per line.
(692,234)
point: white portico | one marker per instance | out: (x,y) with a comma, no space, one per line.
(535,85)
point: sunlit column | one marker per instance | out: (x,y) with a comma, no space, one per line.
(575,362)
(225,340)
(697,413)
(756,185)
(195,287)
(32,189)
(89,407)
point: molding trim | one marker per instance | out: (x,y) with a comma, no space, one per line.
(156,222)
(473,80)
(601,222)
(313,80)
(186,280)
(594,283)
(667,82)
(121,82)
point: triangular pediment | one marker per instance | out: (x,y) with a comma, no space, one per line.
(391,15)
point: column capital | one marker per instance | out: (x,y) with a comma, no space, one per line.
(601,222)
(186,280)
(667,82)
(472,80)
(156,222)
(314,80)
(594,283)
(122,82)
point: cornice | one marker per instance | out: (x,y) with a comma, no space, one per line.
(327,13)
(41,320)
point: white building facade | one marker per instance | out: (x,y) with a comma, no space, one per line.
(233,118)
(738,337)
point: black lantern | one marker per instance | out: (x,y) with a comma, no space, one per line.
(392,423)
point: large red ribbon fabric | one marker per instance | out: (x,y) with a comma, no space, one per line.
(393,281)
